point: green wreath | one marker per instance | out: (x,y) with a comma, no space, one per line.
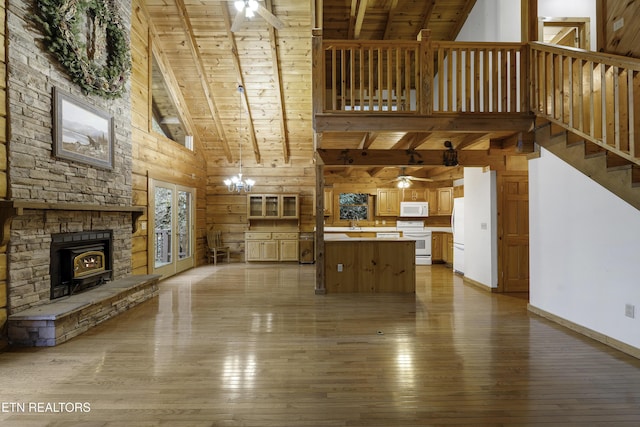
(62,22)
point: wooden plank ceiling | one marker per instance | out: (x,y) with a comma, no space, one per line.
(196,48)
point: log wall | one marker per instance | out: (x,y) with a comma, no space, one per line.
(625,40)
(154,156)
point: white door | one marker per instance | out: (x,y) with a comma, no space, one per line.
(171,216)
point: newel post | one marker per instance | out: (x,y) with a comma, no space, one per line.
(426,73)
(317,73)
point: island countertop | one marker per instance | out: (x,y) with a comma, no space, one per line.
(344,237)
(331,230)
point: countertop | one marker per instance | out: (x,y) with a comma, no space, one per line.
(344,238)
(379,229)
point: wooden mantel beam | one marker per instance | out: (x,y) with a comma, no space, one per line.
(494,122)
(382,158)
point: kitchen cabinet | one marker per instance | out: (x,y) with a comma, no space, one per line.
(287,246)
(436,247)
(447,248)
(271,246)
(388,202)
(328,201)
(441,201)
(370,265)
(272,206)
(442,247)
(415,195)
(260,247)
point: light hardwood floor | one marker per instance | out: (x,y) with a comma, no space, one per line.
(252,345)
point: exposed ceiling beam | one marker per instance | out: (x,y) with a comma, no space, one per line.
(367,140)
(470,140)
(462,18)
(374,172)
(404,142)
(494,122)
(362,10)
(277,80)
(392,11)
(383,158)
(520,142)
(426,16)
(240,78)
(419,138)
(353,12)
(411,140)
(173,85)
(197,59)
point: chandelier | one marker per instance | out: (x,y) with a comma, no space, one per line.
(237,183)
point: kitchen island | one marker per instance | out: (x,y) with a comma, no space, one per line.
(369,265)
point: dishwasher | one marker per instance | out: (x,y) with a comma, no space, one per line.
(388,235)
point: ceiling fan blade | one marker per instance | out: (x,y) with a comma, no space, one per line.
(413,178)
(270,17)
(237,21)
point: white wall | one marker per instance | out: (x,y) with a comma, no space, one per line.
(499,20)
(492,21)
(584,250)
(572,9)
(480,227)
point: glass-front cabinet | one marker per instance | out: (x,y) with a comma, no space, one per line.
(289,205)
(272,206)
(273,227)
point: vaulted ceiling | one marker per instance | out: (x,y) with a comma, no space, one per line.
(199,54)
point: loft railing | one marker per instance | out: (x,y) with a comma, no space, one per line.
(419,77)
(591,94)
(479,77)
(369,76)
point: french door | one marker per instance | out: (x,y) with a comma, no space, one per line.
(171,209)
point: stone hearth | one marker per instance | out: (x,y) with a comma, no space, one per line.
(60,320)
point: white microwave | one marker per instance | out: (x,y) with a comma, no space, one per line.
(414,209)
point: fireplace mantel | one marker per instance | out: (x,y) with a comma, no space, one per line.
(12,208)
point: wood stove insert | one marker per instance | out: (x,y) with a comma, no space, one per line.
(80,261)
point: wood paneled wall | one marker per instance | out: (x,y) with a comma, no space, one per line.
(154,156)
(625,40)
(228,211)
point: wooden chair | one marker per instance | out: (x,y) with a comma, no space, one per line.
(215,247)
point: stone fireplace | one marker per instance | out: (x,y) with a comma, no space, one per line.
(45,243)
(80,261)
(47,195)
(70,270)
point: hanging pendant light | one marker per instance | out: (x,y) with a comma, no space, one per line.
(237,183)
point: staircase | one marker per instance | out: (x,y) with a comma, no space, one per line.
(613,172)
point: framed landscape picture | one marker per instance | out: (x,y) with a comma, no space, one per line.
(82,133)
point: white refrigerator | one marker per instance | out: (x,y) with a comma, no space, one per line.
(457,226)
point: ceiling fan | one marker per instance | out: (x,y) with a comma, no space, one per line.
(248,9)
(404,181)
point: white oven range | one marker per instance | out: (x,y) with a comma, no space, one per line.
(415,230)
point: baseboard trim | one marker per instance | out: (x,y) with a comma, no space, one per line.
(604,339)
(478,285)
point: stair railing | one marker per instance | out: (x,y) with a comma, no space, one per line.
(591,94)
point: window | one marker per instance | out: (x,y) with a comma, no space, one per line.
(354,206)
(165,117)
